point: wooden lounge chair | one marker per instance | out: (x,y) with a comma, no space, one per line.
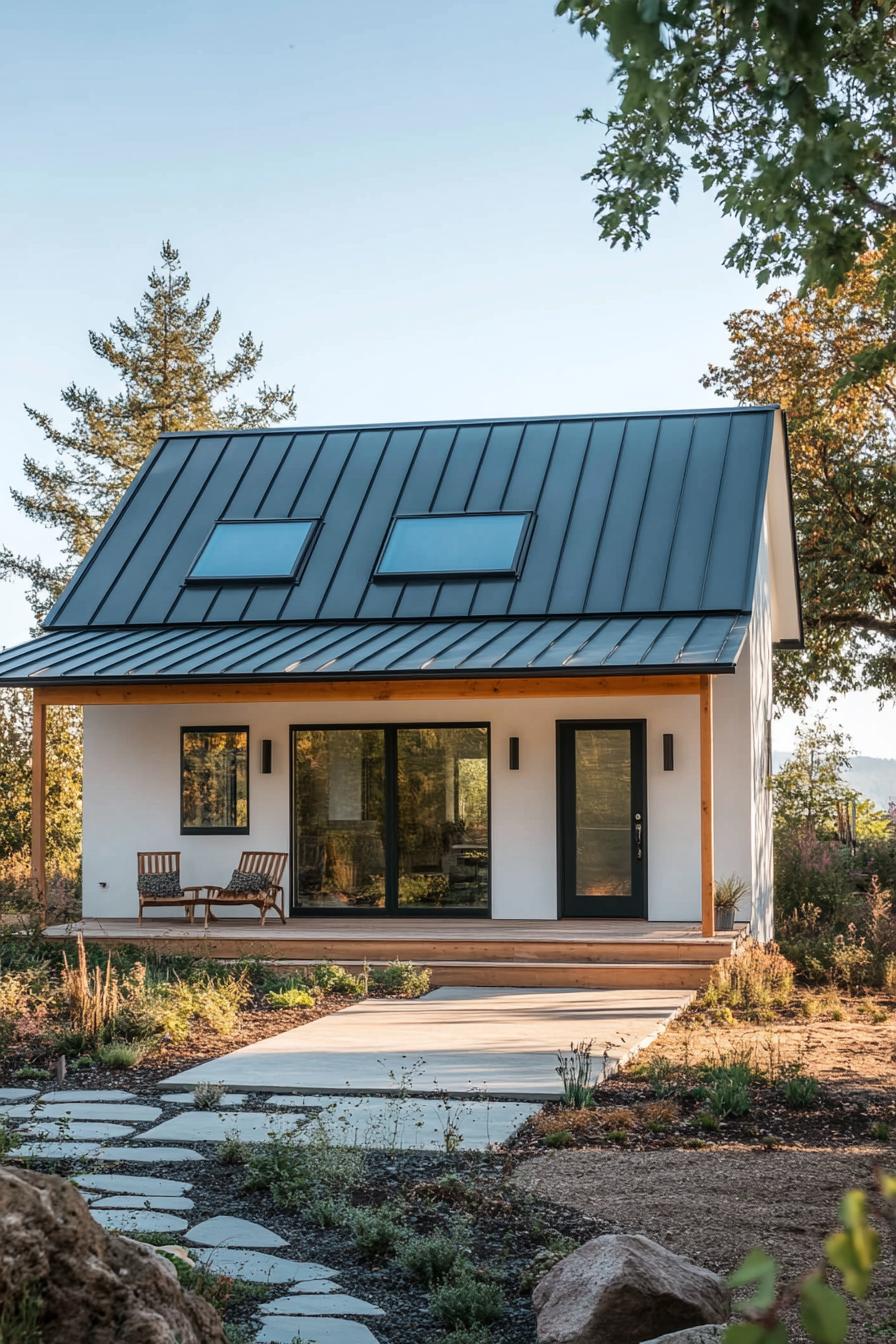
(264,864)
(164,863)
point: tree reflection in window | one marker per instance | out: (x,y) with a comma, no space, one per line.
(214,780)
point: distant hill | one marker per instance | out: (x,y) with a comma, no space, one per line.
(872,776)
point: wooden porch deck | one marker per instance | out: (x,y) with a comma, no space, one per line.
(574,953)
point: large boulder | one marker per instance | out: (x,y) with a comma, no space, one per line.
(623,1290)
(90,1284)
(699,1334)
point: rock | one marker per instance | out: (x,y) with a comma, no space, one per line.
(700,1334)
(91,1285)
(624,1289)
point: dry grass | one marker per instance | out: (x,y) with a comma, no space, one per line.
(93,998)
(753,984)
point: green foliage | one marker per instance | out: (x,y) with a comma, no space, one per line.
(432,1259)
(221,1290)
(853,1252)
(798,352)
(232,1151)
(400,979)
(377,1232)
(811,783)
(291,997)
(9,1140)
(121,1054)
(63,792)
(328,978)
(170,380)
(20,1317)
(467,1301)
(295,1171)
(725,1089)
(206,1096)
(785,112)
(798,1090)
(575,1075)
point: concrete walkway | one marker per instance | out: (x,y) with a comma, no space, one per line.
(456,1041)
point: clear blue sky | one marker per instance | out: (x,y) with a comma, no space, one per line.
(388,195)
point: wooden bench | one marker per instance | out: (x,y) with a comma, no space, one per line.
(162,861)
(267,864)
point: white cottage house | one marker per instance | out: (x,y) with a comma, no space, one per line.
(504,684)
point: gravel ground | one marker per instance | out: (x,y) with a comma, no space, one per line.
(715,1205)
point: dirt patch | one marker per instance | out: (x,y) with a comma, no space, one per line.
(714,1206)
(858,1054)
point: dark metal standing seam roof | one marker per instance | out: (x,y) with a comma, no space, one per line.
(642,552)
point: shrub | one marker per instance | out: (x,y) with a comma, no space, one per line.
(120,1054)
(725,1088)
(9,1141)
(291,997)
(328,978)
(430,1260)
(401,979)
(752,983)
(663,1076)
(376,1232)
(295,1170)
(467,1302)
(798,1089)
(575,1075)
(207,1095)
(232,1151)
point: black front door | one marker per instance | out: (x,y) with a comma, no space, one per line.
(602,819)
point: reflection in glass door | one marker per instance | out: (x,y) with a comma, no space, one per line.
(339,819)
(392,819)
(603,833)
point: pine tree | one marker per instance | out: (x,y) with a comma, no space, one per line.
(170,380)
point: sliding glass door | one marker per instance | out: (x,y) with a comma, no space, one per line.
(391,819)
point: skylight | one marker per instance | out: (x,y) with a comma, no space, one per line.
(257,549)
(453,544)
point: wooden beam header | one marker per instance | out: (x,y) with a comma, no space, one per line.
(429,688)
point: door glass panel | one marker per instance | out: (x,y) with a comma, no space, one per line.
(442,791)
(603,794)
(339,818)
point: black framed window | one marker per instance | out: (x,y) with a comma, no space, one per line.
(265,550)
(214,781)
(391,819)
(445,545)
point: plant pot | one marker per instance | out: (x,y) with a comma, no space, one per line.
(725,919)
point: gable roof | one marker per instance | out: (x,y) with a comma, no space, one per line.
(642,514)
(642,552)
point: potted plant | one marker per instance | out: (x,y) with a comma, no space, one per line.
(728,892)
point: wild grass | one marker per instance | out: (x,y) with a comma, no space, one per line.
(752,984)
(575,1070)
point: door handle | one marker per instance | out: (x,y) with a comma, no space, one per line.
(638,833)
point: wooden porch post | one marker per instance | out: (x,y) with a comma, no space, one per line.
(39,806)
(707,881)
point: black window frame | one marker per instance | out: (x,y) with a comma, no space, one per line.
(290,576)
(514,570)
(216,728)
(391,908)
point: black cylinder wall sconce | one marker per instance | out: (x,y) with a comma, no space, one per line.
(267,755)
(668,752)
(514,753)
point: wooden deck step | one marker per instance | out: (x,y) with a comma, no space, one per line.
(547,974)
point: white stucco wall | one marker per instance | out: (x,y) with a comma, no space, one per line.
(132,799)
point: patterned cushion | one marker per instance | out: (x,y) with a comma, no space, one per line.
(249,884)
(159,884)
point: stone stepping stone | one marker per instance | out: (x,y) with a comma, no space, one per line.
(215,1126)
(319,1329)
(256,1267)
(150,1154)
(315,1286)
(100,1094)
(17,1093)
(122,1183)
(318,1304)
(411,1121)
(88,1110)
(164,1203)
(188,1099)
(137,1220)
(75,1129)
(226,1231)
(58,1150)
